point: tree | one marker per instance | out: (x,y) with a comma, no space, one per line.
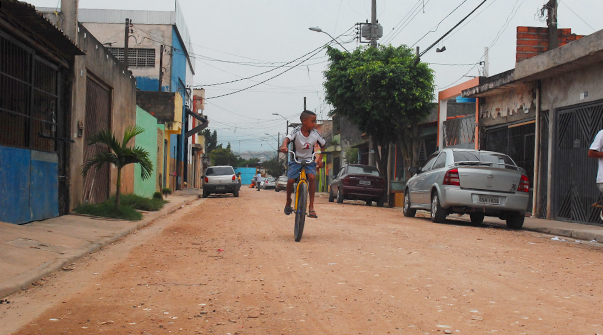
(351,155)
(119,155)
(384,93)
(275,167)
(223,156)
(252,162)
(211,139)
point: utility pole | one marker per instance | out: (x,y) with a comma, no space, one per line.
(486,63)
(304,103)
(160,67)
(127,36)
(374,37)
(551,22)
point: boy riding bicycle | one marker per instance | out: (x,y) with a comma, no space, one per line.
(304,138)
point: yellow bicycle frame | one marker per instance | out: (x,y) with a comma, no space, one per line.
(302,179)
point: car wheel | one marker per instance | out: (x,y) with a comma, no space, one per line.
(331,196)
(236,193)
(339,196)
(438,214)
(515,221)
(406,210)
(369,202)
(477,218)
(205,194)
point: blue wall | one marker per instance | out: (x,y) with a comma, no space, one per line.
(147,84)
(247,174)
(30,185)
(179,64)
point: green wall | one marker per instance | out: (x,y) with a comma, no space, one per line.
(148,141)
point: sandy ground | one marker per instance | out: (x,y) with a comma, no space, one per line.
(226,265)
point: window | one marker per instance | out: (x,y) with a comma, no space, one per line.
(219,171)
(481,157)
(429,163)
(441,162)
(136,56)
(355,169)
(28,99)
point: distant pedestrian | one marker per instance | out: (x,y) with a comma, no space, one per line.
(239,180)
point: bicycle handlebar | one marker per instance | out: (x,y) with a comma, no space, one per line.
(309,160)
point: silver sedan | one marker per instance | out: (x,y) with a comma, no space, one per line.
(481,183)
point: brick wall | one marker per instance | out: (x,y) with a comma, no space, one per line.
(532,41)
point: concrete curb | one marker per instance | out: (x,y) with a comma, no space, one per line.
(577,234)
(26,279)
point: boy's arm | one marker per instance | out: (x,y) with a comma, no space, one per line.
(285,144)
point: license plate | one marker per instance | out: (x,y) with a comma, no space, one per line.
(364,182)
(220,188)
(488,200)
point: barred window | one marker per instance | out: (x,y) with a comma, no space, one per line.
(28,99)
(136,56)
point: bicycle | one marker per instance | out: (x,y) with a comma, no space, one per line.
(301,197)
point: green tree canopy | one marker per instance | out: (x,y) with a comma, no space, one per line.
(383,92)
(252,162)
(223,156)
(275,167)
(211,139)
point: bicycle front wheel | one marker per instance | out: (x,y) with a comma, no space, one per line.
(300,213)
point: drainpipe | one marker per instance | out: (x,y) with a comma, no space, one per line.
(536,181)
(549,193)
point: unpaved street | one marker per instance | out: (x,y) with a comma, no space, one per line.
(226,265)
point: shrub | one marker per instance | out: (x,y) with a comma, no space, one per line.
(142,203)
(157,195)
(166,191)
(107,209)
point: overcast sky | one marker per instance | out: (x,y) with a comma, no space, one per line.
(253,36)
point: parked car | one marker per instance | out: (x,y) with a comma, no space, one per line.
(220,179)
(281,183)
(358,182)
(480,183)
(269,183)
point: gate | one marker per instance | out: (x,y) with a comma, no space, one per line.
(460,132)
(574,172)
(544,163)
(98,117)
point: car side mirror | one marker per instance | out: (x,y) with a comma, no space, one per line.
(413,170)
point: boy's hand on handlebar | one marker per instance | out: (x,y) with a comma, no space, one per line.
(319,164)
(283,149)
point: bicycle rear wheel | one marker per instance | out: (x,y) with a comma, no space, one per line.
(300,213)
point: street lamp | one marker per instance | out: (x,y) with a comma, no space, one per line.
(318,30)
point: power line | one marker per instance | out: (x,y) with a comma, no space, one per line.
(568,7)
(436,27)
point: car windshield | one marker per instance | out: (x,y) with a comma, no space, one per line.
(355,169)
(477,157)
(219,171)
(282,178)
(270,179)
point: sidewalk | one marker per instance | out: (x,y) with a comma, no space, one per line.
(35,250)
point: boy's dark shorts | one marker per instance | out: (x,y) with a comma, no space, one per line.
(295,169)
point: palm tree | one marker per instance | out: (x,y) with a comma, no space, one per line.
(119,155)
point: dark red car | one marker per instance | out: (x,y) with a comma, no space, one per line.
(358,182)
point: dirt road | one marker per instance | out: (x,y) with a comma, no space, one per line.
(228,265)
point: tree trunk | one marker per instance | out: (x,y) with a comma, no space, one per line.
(118,188)
(381,157)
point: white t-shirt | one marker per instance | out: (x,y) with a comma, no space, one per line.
(598,146)
(304,146)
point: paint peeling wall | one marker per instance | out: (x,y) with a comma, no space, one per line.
(512,105)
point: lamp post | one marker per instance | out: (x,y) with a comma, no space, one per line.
(318,30)
(286,132)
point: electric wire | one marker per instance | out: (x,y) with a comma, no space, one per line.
(438,25)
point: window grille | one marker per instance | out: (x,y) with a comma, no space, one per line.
(136,56)
(28,99)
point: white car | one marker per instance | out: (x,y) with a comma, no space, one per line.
(480,183)
(220,179)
